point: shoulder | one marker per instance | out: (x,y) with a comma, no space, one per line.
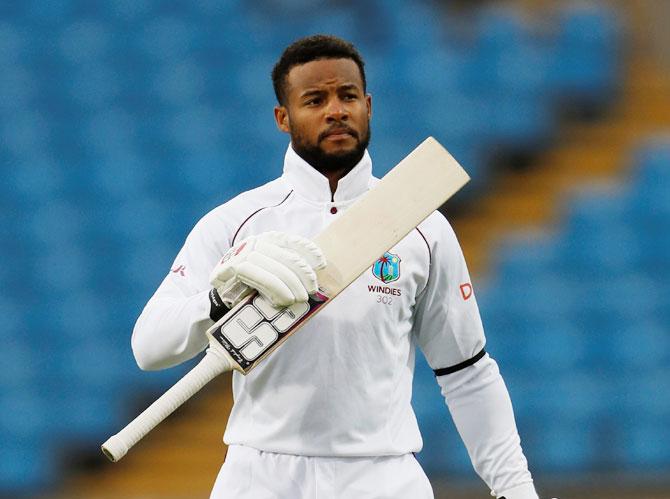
(241,206)
(225,219)
(437,230)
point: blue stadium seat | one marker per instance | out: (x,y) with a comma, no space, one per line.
(518,121)
(433,72)
(25,414)
(562,447)
(84,415)
(554,346)
(30,133)
(165,38)
(651,207)
(645,445)
(617,233)
(652,160)
(26,467)
(96,85)
(640,345)
(110,132)
(529,254)
(510,72)
(586,55)
(35,180)
(501,34)
(619,300)
(412,22)
(544,297)
(574,397)
(11,311)
(639,389)
(123,175)
(592,209)
(341,22)
(17,86)
(63,267)
(94,363)
(15,40)
(153,222)
(50,15)
(84,40)
(18,361)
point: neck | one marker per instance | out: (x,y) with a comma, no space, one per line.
(331,167)
(333,176)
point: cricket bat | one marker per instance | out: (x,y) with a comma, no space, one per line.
(253,329)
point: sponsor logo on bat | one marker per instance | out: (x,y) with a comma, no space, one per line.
(257,326)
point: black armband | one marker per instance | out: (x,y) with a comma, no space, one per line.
(217,308)
(459,366)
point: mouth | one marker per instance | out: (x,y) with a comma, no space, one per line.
(338,133)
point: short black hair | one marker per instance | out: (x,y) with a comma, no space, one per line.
(312,48)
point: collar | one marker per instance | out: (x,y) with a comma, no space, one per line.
(311,184)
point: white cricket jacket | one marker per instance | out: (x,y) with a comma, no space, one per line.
(342,386)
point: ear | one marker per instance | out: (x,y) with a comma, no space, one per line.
(368,102)
(281,118)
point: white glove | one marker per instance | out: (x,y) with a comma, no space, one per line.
(280,266)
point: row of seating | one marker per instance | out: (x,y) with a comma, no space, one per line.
(189,99)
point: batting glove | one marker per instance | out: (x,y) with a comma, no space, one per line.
(280,266)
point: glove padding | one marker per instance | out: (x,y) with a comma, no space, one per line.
(280,266)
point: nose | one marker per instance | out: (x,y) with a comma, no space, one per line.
(336,111)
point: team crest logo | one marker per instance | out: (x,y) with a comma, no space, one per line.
(387,268)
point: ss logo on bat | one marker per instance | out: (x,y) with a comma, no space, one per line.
(257,325)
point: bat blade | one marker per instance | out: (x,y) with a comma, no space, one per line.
(415,188)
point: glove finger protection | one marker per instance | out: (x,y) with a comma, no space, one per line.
(272,279)
(279,266)
(294,265)
(306,248)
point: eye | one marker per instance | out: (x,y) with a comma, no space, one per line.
(350,97)
(314,101)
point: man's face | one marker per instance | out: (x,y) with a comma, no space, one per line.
(327,113)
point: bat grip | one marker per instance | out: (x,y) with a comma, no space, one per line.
(212,364)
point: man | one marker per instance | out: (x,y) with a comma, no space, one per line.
(328,414)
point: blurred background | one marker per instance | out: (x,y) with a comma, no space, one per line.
(124,121)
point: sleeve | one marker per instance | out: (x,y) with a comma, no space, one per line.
(449,331)
(447,325)
(171,328)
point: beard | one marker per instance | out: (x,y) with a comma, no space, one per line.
(331,162)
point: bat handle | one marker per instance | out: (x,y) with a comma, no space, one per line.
(212,364)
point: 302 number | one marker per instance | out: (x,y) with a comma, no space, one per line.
(386,300)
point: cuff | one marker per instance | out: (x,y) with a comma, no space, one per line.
(523,491)
(217,308)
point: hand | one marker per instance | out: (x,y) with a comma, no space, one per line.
(280,266)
